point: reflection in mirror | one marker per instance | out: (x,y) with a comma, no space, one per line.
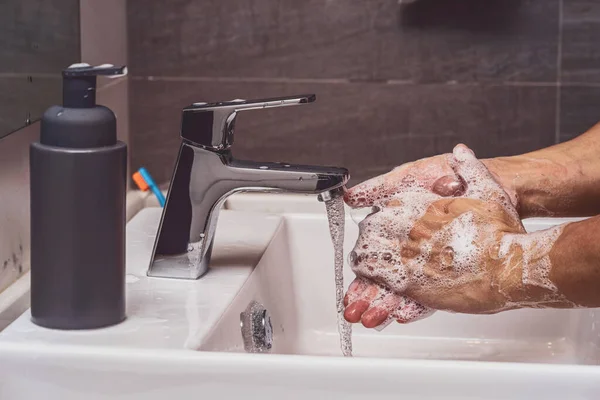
(38,38)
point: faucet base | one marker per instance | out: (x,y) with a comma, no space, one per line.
(206,173)
(190,265)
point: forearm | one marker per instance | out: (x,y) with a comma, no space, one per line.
(561,180)
(575,263)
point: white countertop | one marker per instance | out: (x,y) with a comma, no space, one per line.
(193,305)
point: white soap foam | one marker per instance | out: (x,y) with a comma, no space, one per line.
(385,252)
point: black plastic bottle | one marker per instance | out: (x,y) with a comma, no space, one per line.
(78,186)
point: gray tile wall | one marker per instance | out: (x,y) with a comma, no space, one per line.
(38,38)
(394,82)
(14,212)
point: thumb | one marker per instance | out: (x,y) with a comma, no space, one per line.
(480,183)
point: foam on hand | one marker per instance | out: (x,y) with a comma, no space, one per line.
(399,244)
(536,260)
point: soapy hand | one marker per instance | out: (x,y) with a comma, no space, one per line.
(433,174)
(451,240)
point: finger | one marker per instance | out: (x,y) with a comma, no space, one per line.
(374,317)
(378,190)
(432,175)
(353,313)
(380,310)
(439,214)
(366,194)
(356,288)
(420,231)
(356,309)
(411,311)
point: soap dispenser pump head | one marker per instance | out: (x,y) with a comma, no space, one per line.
(79,83)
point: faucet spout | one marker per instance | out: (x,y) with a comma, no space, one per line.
(331,194)
(293,178)
(203,178)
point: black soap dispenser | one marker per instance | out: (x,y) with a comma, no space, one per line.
(78,185)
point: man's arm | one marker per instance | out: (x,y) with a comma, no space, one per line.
(558,181)
(575,259)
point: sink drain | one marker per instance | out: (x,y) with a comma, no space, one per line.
(257,331)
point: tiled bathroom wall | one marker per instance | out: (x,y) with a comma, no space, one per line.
(37,38)
(14,198)
(102,39)
(394,82)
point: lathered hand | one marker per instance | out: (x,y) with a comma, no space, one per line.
(468,253)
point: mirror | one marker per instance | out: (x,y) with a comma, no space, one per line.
(38,39)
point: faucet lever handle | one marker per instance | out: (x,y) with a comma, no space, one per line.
(255,104)
(211,125)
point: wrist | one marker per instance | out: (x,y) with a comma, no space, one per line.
(528,181)
(509,271)
(525,276)
(505,171)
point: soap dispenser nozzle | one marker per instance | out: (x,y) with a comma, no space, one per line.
(79,83)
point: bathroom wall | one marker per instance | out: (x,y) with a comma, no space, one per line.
(394,82)
(37,37)
(14,198)
(103,39)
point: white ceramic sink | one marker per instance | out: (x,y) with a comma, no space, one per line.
(182,339)
(294,282)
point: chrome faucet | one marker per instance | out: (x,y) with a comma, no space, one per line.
(206,174)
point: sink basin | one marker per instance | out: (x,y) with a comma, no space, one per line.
(294,282)
(182,339)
